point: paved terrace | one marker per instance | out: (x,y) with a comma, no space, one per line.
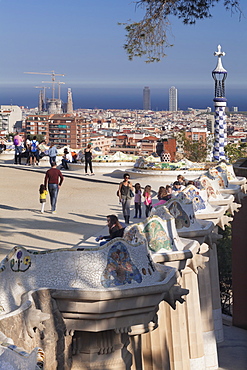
(83,203)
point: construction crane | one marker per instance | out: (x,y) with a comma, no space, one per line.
(55,82)
(53,78)
(44,88)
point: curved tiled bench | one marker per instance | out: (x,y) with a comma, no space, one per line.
(115,288)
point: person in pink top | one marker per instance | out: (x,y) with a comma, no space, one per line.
(148,199)
(18,143)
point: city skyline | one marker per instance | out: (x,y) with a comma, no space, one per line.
(124,98)
(83,41)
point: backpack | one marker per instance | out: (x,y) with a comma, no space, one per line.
(16,141)
(34,146)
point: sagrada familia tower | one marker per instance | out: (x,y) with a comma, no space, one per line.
(69,102)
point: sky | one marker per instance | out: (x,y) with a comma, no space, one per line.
(82,40)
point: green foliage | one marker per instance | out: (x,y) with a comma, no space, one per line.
(236,151)
(194,150)
(149,37)
(224,251)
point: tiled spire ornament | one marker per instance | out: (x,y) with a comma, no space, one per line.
(220,133)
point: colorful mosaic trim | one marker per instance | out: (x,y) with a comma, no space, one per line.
(194,195)
(133,235)
(221,174)
(151,232)
(228,169)
(181,217)
(20,259)
(175,209)
(156,236)
(120,269)
(206,184)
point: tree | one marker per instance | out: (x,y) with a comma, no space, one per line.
(194,150)
(236,151)
(224,252)
(148,37)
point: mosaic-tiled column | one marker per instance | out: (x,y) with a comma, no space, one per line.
(220,132)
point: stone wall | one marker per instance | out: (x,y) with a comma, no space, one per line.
(50,337)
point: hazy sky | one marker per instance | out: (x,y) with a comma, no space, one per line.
(81,39)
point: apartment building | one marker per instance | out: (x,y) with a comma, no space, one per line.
(196,134)
(127,144)
(137,144)
(60,129)
(102,142)
(10,118)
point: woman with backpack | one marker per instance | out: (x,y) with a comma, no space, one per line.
(34,151)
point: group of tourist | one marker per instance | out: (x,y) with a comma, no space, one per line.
(33,151)
(127,191)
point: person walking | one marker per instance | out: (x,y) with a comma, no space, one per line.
(18,143)
(54,180)
(138,200)
(88,159)
(42,197)
(148,199)
(52,152)
(125,193)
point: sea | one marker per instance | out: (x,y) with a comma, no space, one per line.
(126,98)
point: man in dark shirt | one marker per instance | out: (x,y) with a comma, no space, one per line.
(54,179)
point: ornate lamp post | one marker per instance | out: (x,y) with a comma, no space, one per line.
(220,133)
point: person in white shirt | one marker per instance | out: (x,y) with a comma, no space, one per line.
(177,188)
(67,158)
